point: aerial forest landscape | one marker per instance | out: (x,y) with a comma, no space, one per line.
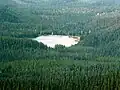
(59,44)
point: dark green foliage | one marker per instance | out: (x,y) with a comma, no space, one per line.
(13,48)
(14,44)
(20,49)
(105,42)
(60,75)
(7,15)
(92,64)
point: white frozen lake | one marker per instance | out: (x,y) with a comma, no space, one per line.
(52,40)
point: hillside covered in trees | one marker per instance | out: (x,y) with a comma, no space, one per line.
(92,64)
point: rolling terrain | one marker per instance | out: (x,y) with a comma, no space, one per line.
(92,64)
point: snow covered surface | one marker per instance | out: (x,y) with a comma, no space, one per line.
(52,40)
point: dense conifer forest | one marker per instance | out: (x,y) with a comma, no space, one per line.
(92,64)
